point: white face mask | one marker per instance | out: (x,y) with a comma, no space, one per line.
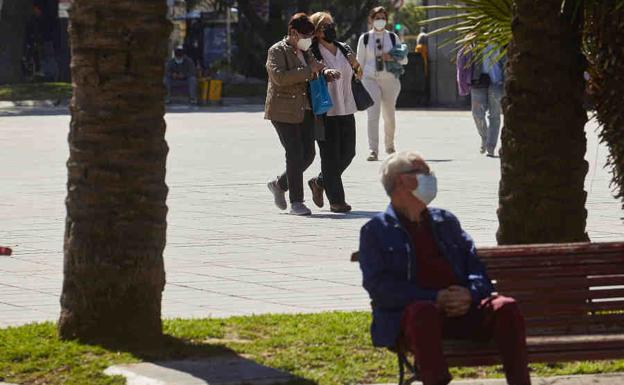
(179,61)
(379,24)
(427,188)
(304,44)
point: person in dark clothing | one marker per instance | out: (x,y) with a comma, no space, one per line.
(426,281)
(336,139)
(180,70)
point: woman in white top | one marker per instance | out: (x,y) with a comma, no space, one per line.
(337,145)
(383,86)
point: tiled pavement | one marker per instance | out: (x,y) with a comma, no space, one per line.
(229,250)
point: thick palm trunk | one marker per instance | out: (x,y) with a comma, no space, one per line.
(606,29)
(116,211)
(542,197)
(14,15)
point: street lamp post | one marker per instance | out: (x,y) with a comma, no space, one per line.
(228,32)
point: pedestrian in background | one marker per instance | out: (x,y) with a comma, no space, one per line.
(180,70)
(337,139)
(290,66)
(484,82)
(373,53)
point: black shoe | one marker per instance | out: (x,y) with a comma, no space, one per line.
(339,208)
(317,192)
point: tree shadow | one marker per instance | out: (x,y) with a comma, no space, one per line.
(212,363)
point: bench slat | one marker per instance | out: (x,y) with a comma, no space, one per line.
(529,309)
(493,358)
(562,283)
(550,272)
(550,260)
(572,296)
(550,249)
(540,349)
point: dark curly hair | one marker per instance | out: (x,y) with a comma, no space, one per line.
(301,23)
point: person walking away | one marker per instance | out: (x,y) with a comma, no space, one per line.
(373,52)
(337,142)
(180,70)
(290,66)
(484,82)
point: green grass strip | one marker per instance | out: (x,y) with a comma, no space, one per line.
(35,91)
(325,349)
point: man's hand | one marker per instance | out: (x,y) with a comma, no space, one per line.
(387,57)
(331,74)
(455,300)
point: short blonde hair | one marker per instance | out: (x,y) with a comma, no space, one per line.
(396,164)
(318,18)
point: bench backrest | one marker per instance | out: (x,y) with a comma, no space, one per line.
(574,288)
(562,288)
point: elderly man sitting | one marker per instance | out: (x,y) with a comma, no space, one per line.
(427,283)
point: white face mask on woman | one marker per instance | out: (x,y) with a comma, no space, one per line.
(427,188)
(379,24)
(304,44)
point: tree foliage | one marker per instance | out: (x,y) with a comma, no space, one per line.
(479,23)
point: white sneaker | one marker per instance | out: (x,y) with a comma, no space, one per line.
(279,195)
(298,208)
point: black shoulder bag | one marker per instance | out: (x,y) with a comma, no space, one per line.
(363,100)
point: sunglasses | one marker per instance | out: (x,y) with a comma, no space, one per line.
(379,44)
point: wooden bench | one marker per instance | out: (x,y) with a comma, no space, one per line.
(571,296)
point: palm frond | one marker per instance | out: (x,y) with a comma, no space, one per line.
(475,25)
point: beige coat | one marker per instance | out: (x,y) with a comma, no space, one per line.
(287,91)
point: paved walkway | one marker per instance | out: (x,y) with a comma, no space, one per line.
(229,250)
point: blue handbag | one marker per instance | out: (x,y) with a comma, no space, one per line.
(319,95)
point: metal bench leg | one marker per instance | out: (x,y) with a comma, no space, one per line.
(400,357)
(413,370)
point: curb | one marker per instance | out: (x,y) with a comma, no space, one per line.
(51,103)
(34,103)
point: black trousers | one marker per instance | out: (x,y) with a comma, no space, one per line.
(337,151)
(298,141)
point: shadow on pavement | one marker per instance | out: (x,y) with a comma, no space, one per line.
(357,214)
(176,361)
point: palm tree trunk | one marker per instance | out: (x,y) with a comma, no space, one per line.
(541,196)
(116,209)
(606,30)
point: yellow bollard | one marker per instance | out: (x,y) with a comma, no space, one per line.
(204,89)
(215,90)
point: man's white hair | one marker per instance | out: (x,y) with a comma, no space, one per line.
(396,164)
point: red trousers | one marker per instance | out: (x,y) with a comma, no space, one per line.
(424,325)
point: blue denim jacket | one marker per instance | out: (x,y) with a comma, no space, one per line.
(387,260)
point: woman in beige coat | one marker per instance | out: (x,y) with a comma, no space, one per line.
(290,66)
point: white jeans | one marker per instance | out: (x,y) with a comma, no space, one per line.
(384,90)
